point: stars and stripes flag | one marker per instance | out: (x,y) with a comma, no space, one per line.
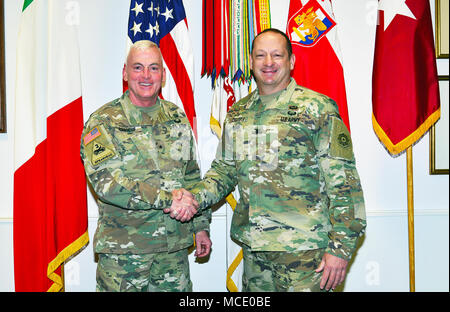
(405,94)
(50,206)
(164,22)
(312,29)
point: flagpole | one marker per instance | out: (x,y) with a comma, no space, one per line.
(409,165)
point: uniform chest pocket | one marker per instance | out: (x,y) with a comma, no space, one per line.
(173,144)
(137,149)
(297,153)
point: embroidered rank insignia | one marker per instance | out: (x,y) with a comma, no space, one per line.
(94,133)
(100,153)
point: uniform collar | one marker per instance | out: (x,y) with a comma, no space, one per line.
(132,113)
(283,98)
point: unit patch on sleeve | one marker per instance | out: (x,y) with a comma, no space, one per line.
(341,143)
(100,153)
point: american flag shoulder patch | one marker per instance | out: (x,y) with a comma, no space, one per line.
(94,133)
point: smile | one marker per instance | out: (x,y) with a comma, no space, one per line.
(269,71)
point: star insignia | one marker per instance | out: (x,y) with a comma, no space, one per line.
(136,28)
(156,29)
(150,30)
(138,8)
(392,8)
(150,8)
(168,13)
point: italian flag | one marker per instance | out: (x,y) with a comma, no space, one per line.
(50,207)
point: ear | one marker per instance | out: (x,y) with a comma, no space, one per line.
(163,77)
(124,73)
(292,61)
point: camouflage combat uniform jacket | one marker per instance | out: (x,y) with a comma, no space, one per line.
(293,162)
(133,163)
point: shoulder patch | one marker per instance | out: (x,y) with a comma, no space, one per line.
(100,153)
(94,133)
(341,143)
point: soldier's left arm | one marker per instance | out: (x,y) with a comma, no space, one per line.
(342,183)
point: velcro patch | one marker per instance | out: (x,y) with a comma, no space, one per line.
(100,153)
(94,133)
(341,143)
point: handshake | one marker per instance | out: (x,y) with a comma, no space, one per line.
(184,206)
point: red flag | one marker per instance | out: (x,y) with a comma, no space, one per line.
(405,95)
(312,30)
(164,22)
(50,207)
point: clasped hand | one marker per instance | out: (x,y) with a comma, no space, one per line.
(184,206)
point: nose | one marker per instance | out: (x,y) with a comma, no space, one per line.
(268,60)
(146,73)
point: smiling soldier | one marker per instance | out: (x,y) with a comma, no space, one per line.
(301,207)
(130,149)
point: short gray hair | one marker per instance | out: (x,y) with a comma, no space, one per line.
(142,45)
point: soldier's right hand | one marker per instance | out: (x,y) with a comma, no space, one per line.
(184,206)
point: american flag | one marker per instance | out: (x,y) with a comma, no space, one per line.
(164,22)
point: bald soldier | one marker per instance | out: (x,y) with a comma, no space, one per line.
(301,207)
(136,150)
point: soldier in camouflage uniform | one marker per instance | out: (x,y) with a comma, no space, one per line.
(301,207)
(136,150)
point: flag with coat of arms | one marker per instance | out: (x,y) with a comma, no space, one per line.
(312,29)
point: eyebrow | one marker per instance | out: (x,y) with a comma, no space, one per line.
(275,50)
(152,64)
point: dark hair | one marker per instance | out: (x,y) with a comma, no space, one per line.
(277,31)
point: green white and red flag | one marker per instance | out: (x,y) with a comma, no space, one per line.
(50,206)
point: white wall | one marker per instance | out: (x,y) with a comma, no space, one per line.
(381,263)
